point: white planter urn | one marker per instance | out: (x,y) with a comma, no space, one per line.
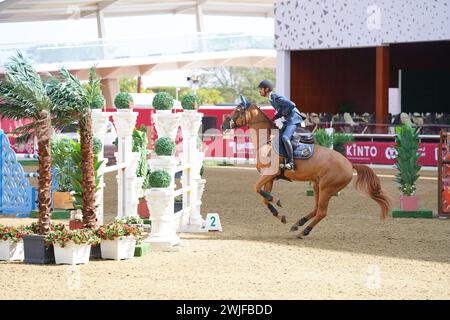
(11,251)
(166,163)
(72,253)
(190,122)
(163,223)
(166,123)
(118,249)
(125,122)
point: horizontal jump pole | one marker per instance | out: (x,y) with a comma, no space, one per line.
(115,167)
(181,190)
(31,174)
(179,213)
(26,156)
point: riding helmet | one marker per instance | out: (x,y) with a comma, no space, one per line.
(266,84)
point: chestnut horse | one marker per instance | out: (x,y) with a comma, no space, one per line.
(328,170)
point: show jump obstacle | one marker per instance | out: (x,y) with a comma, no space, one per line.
(164,222)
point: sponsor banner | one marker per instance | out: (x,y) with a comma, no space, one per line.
(358,152)
(385,153)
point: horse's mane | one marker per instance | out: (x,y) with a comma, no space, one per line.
(253,105)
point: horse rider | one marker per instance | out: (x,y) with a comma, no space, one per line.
(287,109)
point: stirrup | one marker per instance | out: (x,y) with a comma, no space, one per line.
(289,166)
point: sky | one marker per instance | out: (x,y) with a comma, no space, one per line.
(138,26)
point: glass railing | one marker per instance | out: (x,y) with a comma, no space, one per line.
(106,49)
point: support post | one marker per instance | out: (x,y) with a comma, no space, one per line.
(382,87)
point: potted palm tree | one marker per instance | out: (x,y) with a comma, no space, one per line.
(407,145)
(72,246)
(69,94)
(24,97)
(123,102)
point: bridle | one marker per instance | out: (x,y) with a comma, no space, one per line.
(246,123)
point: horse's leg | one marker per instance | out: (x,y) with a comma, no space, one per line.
(310,215)
(322,207)
(268,188)
(266,182)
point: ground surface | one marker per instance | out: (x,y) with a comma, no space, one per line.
(351,254)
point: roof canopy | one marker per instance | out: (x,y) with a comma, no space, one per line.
(30,10)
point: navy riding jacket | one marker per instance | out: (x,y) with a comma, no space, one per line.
(285,108)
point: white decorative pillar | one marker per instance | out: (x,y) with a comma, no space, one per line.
(163,234)
(166,123)
(99,127)
(191,121)
(125,122)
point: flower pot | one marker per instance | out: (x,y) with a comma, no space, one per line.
(408,203)
(96,252)
(72,253)
(143,211)
(62,200)
(35,250)
(118,249)
(11,251)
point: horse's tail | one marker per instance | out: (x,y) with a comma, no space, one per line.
(369,182)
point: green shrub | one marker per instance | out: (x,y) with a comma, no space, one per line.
(159,179)
(190,101)
(97,144)
(162,101)
(406,162)
(337,140)
(122,100)
(165,146)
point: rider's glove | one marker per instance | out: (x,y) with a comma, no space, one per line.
(278,115)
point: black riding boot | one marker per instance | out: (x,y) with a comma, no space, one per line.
(290,155)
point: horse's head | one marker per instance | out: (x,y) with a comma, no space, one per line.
(238,117)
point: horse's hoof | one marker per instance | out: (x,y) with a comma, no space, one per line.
(293,228)
(299,236)
(279,203)
(283,219)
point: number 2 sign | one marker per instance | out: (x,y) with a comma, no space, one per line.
(213,222)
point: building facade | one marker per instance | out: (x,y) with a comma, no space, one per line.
(377,56)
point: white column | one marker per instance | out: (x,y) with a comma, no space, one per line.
(99,126)
(125,122)
(283,73)
(101,30)
(191,121)
(199,17)
(166,123)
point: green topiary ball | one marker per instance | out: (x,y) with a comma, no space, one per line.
(159,179)
(165,146)
(162,101)
(98,102)
(97,145)
(190,101)
(122,100)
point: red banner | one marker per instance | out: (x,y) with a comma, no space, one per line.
(384,153)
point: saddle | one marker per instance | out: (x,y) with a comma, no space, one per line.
(301,136)
(302,143)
